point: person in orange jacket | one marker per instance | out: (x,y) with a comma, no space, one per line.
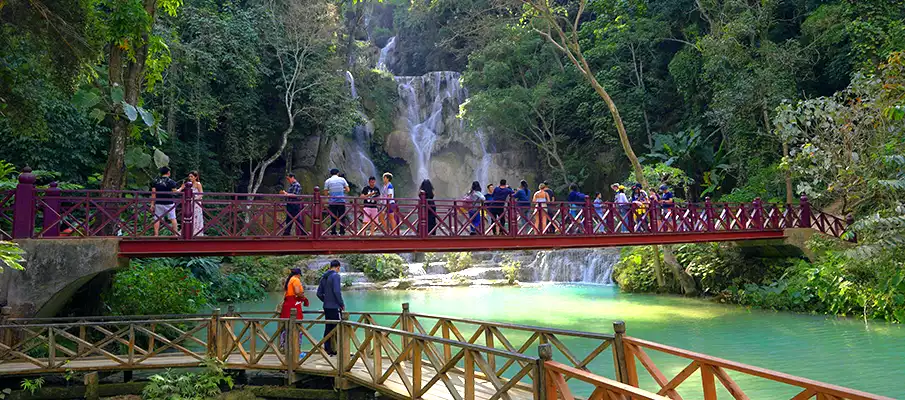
(295,295)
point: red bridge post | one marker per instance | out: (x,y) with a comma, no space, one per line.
(708,214)
(513,217)
(317,210)
(588,210)
(758,217)
(51,210)
(188,212)
(805,215)
(422,214)
(655,213)
(24,207)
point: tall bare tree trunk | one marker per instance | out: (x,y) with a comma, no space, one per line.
(789,190)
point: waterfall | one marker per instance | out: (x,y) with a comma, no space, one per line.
(357,154)
(482,173)
(426,123)
(580,265)
(382,59)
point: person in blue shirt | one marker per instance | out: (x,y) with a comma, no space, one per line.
(336,187)
(497,207)
(574,198)
(667,198)
(523,202)
(329,291)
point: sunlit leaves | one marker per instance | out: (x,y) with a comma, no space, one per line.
(10,256)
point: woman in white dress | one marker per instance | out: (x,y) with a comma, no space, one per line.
(198,214)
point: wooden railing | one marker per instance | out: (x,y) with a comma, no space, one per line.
(710,367)
(409,355)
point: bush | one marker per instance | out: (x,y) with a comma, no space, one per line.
(635,271)
(236,287)
(511,269)
(188,386)
(459,261)
(151,287)
(269,272)
(385,267)
(356,262)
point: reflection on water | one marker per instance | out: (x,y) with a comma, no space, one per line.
(841,351)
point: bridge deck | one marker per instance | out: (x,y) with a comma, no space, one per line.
(316,364)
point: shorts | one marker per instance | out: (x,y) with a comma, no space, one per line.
(391,208)
(165,209)
(370,214)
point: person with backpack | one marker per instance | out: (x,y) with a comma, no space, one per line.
(523,203)
(329,291)
(473,200)
(162,195)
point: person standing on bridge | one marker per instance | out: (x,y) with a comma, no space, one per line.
(473,200)
(336,187)
(428,188)
(388,218)
(369,193)
(500,198)
(162,194)
(293,208)
(329,291)
(523,202)
(293,299)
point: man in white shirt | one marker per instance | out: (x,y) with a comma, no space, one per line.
(336,187)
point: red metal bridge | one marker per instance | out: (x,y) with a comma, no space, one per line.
(246,224)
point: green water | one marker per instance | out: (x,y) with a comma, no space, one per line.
(846,352)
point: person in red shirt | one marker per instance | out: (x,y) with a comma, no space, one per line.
(295,295)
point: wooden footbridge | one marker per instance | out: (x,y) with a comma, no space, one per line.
(400,355)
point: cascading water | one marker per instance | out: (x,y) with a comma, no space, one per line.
(384,52)
(586,266)
(423,98)
(358,155)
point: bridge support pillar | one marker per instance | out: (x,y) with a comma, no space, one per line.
(54,270)
(619,352)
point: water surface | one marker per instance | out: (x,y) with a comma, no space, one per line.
(842,351)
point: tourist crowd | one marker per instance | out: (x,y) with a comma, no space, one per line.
(488,212)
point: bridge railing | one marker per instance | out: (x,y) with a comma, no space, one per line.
(708,367)
(406,353)
(29,212)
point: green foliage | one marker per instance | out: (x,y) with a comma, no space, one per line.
(385,267)
(268,272)
(10,256)
(511,269)
(635,271)
(173,385)
(659,174)
(357,262)
(151,287)
(32,385)
(459,261)
(348,281)
(716,266)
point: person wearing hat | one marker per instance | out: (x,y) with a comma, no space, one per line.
(622,204)
(639,200)
(667,198)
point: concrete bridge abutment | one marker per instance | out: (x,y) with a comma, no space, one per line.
(54,270)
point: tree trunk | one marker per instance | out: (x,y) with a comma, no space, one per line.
(620,127)
(658,268)
(686,281)
(115,171)
(257,175)
(789,190)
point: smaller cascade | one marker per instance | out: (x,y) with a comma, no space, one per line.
(585,266)
(358,159)
(482,173)
(384,52)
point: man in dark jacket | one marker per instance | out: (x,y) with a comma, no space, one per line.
(329,292)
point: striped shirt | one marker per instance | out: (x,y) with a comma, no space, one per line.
(295,188)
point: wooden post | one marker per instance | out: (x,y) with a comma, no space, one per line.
(422,214)
(343,350)
(619,352)
(404,324)
(707,381)
(488,341)
(188,211)
(213,337)
(292,347)
(24,206)
(447,350)
(223,331)
(83,335)
(416,368)
(708,215)
(6,334)
(51,210)
(316,214)
(91,389)
(805,214)
(545,387)
(469,375)
(588,216)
